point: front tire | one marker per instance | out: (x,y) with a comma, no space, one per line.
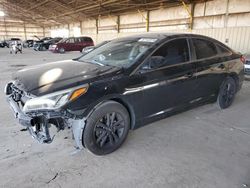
(106,128)
(61,50)
(227,93)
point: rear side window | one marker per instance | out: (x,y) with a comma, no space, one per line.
(87,39)
(223,50)
(204,48)
(78,40)
(171,53)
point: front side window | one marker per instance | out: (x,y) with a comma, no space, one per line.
(171,53)
(70,40)
(204,48)
(120,53)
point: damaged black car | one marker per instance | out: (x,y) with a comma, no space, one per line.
(123,85)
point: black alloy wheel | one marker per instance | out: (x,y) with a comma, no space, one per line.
(106,128)
(226,93)
(109,130)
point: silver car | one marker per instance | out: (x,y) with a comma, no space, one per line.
(247,66)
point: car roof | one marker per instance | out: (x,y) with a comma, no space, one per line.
(163,35)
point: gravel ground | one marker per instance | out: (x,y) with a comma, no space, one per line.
(201,148)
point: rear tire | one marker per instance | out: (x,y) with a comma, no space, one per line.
(227,93)
(107,128)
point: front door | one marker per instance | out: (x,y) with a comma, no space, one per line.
(70,44)
(168,79)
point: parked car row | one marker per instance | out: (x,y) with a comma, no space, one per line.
(7,43)
(57,44)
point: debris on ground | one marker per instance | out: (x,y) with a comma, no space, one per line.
(52,178)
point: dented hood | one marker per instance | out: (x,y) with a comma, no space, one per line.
(51,77)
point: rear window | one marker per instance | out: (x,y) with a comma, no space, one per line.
(204,48)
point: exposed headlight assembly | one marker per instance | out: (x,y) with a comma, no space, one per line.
(55,100)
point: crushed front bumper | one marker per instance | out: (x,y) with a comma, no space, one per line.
(38,123)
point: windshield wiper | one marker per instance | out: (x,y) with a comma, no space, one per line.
(96,62)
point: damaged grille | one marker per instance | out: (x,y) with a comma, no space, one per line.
(18,95)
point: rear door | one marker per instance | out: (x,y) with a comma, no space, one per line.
(78,44)
(211,67)
(168,80)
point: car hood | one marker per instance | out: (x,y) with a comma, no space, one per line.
(51,77)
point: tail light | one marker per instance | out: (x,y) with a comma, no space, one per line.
(243,59)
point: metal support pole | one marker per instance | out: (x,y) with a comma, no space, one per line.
(147,21)
(190,12)
(69,29)
(118,24)
(146,18)
(43,32)
(227,14)
(205,8)
(24,28)
(192,16)
(96,24)
(81,27)
(5,28)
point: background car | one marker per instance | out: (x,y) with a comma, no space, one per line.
(90,48)
(8,42)
(247,66)
(28,43)
(36,43)
(42,46)
(3,44)
(72,44)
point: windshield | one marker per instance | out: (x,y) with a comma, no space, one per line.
(119,53)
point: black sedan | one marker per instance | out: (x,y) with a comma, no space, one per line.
(124,85)
(44,45)
(3,44)
(28,43)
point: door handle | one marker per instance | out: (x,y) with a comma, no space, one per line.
(189,74)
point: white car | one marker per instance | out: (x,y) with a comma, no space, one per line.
(247,66)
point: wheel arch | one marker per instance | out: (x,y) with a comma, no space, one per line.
(129,108)
(236,79)
(117,99)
